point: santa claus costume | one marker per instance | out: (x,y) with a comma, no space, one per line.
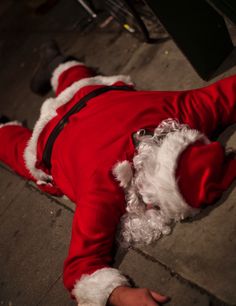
(133,160)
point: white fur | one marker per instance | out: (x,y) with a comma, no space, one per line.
(60,69)
(49,111)
(10,123)
(95,289)
(123,173)
(154,182)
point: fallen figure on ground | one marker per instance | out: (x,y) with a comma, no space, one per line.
(134,162)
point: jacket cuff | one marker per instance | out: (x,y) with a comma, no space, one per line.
(95,289)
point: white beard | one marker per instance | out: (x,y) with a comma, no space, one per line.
(151,180)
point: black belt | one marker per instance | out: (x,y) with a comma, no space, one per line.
(75,109)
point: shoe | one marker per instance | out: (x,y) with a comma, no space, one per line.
(50,58)
(4,119)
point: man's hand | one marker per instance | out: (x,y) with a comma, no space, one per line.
(125,296)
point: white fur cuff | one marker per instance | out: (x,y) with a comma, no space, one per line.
(10,124)
(60,69)
(123,173)
(95,289)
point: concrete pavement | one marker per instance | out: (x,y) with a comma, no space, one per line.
(195,265)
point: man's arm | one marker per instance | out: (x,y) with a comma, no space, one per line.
(87,270)
(135,297)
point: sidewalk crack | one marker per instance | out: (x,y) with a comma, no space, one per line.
(48,290)
(213,299)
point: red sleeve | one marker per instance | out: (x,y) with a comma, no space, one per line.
(91,249)
(14,139)
(204,172)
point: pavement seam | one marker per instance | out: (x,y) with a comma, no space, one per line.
(48,290)
(131,60)
(10,203)
(31,187)
(213,299)
(35,189)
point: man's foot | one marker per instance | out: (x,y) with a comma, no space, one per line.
(50,58)
(4,119)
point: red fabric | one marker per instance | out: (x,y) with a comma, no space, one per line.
(94,227)
(69,76)
(14,139)
(204,172)
(100,135)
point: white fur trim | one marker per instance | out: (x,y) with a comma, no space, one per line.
(123,173)
(154,182)
(60,69)
(10,123)
(95,289)
(49,111)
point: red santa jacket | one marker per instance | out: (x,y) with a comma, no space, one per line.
(96,164)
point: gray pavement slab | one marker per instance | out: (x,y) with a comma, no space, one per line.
(8,190)
(150,274)
(114,46)
(56,296)
(164,67)
(35,234)
(170,70)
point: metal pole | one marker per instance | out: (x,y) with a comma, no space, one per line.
(87,8)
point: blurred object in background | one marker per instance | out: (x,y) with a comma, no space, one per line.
(198,30)
(156,31)
(225,7)
(136,17)
(88,7)
(40,6)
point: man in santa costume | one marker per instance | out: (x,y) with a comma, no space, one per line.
(132,161)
